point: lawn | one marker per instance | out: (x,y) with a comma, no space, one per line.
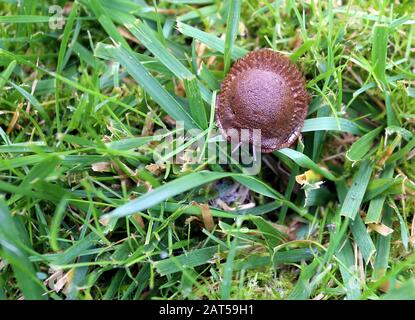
(90,90)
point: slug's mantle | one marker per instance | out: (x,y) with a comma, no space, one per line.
(263,90)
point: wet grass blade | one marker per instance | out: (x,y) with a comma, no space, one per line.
(357,190)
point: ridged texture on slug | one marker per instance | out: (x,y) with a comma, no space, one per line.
(264,90)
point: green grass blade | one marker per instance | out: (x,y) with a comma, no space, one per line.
(379,51)
(151,85)
(272,236)
(210,40)
(56,222)
(362,146)
(331,124)
(193,258)
(379,55)
(35,103)
(146,36)
(374,212)
(11,249)
(226,286)
(106,22)
(357,190)
(362,238)
(402,152)
(305,162)
(383,246)
(5,75)
(349,272)
(197,107)
(232,30)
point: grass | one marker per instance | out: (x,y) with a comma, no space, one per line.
(86,214)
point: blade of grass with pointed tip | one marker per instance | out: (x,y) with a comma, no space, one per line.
(279,258)
(272,236)
(25,19)
(302,289)
(306,46)
(195,210)
(357,190)
(5,75)
(56,222)
(77,249)
(362,146)
(402,152)
(39,172)
(150,63)
(403,225)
